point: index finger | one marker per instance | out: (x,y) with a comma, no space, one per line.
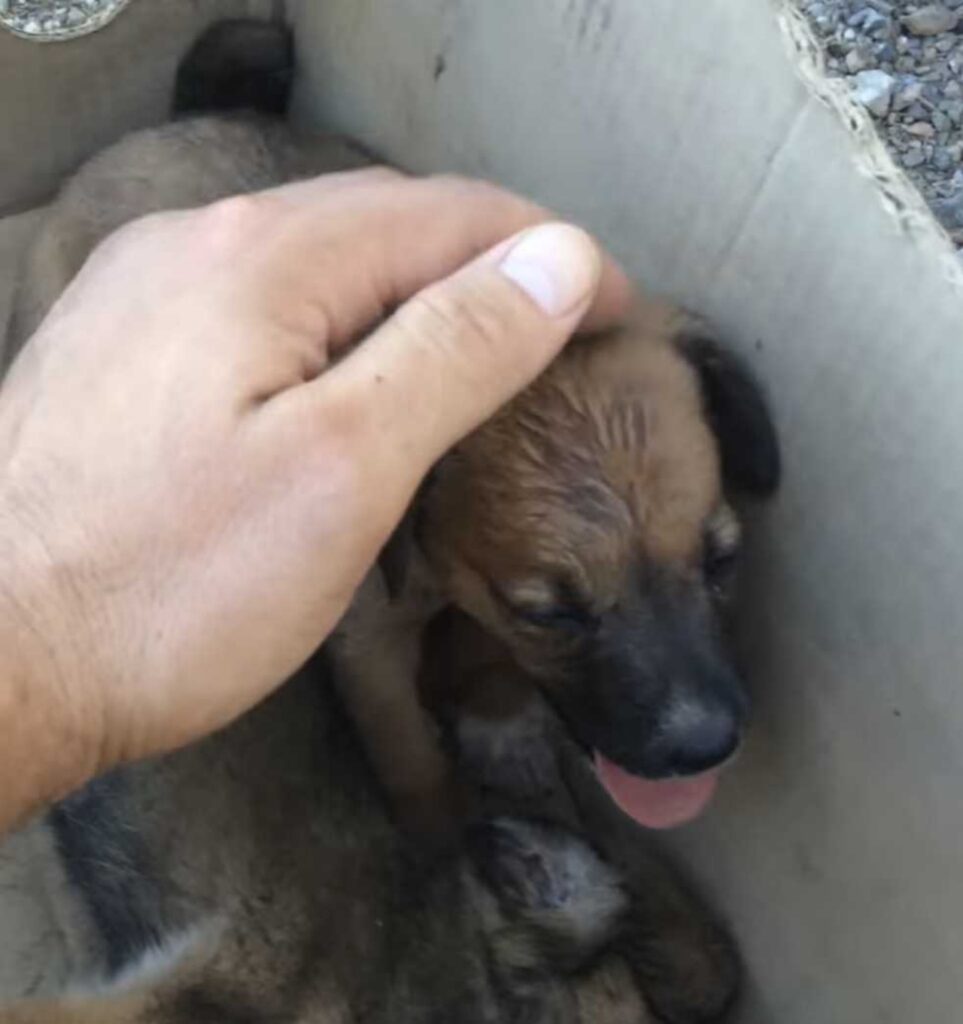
(372,239)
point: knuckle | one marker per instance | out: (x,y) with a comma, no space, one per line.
(479,192)
(445,314)
(236,218)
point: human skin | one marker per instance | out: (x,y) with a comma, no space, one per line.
(208,440)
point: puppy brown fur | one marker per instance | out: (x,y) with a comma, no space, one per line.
(576,525)
(256,877)
(582,527)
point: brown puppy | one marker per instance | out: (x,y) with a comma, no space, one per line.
(585,525)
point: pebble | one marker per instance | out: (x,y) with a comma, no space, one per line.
(922,130)
(931,20)
(954,111)
(874,90)
(949,212)
(856,60)
(907,95)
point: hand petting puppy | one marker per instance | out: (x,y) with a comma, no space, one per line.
(199,461)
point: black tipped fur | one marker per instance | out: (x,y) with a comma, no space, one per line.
(107,866)
(738,412)
(242,64)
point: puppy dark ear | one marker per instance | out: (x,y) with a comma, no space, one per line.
(737,411)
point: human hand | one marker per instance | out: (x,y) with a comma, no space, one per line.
(198,464)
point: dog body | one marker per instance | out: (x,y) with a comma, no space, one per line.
(585,525)
(584,538)
(256,877)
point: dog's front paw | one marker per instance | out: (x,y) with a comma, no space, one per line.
(688,976)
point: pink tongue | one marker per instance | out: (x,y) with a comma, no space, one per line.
(663,804)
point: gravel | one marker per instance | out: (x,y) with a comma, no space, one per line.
(904,63)
(48,20)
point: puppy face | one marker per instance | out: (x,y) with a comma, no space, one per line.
(587,527)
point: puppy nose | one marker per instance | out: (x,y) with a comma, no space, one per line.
(695,737)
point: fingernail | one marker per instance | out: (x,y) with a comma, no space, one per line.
(556,265)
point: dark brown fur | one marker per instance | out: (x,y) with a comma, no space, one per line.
(575,525)
(576,528)
(263,866)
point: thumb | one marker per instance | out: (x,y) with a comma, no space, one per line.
(458,350)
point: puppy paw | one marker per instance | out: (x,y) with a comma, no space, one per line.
(688,977)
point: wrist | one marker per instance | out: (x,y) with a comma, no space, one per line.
(47,744)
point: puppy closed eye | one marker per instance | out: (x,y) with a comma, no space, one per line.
(545,606)
(720,556)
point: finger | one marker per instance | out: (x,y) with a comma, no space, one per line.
(397,236)
(454,353)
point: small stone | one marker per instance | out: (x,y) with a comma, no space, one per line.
(949,212)
(953,109)
(907,95)
(873,89)
(885,53)
(945,43)
(913,158)
(922,130)
(855,60)
(32,27)
(952,89)
(917,112)
(75,16)
(940,120)
(868,20)
(943,159)
(931,20)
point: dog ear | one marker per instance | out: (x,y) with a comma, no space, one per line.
(737,411)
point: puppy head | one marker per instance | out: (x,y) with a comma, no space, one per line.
(587,527)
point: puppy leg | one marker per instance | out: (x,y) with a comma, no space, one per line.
(376,650)
(606,993)
(684,960)
(503,735)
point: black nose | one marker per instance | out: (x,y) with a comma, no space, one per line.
(695,736)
